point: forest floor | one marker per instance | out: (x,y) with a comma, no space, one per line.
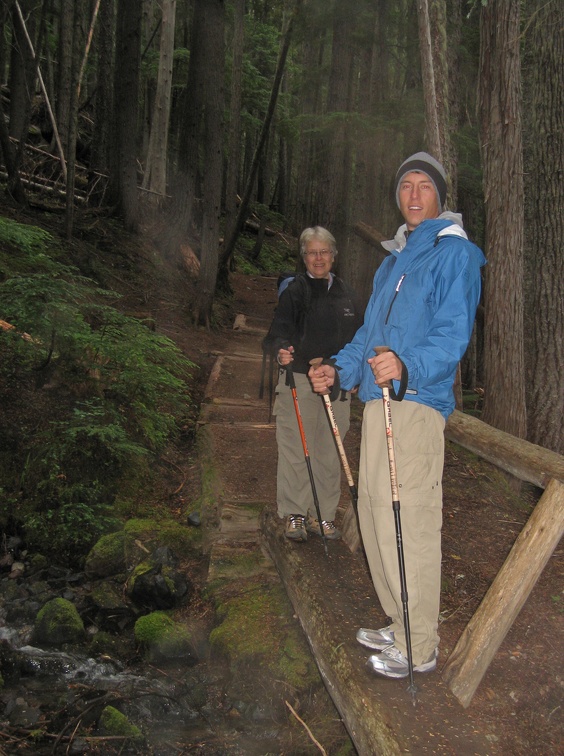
(517,709)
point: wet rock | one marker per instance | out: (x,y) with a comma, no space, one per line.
(58,623)
(22,714)
(156,584)
(194,519)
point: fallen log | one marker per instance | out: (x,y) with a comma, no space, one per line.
(526,461)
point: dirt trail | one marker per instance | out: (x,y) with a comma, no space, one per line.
(517,709)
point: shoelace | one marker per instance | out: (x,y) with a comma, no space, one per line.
(296,521)
(394,653)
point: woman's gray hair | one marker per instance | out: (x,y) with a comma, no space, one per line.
(317,232)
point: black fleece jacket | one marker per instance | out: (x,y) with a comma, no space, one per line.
(317,322)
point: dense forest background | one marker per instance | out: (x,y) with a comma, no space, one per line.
(190,120)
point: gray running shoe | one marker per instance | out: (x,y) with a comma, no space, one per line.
(295,528)
(376,639)
(329,529)
(393,664)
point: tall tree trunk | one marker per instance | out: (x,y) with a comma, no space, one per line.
(104,41)
(435,76)
(157,155)
(214,54)
(545,222)
(126,110)
(502,160)
(21,82)
(234,147)
(64,70)
(333,201)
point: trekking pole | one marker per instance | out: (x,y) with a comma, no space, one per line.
(338,441)
(292,382)
(397,519)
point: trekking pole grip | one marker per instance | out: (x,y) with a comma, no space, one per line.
(381,350)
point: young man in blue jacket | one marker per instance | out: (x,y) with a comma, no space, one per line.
(422,307)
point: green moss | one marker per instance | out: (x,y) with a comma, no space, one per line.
(182,539)
(113,722)
(58,622)
(162,637)
(150,628)
(252,627)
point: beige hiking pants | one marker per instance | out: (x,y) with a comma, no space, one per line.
(294,492)
(418,434)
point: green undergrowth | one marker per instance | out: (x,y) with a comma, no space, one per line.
(89,398)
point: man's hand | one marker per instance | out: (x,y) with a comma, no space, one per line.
(386,367)
(322,378)
(285,356)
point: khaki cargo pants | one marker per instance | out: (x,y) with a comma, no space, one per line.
(294,493)
(419,451)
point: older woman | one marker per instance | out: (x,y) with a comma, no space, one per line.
(316,316)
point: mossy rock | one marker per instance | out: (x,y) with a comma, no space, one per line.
(183,540)
(253,629)
(107,556)
(162,637)
(57,623)
(113,722)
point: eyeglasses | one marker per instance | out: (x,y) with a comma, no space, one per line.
(319,253)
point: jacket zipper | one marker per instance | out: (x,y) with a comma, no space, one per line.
(394,299)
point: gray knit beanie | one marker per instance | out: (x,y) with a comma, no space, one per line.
(424,163)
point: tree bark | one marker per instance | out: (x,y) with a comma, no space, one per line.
(126,110)
(234,148)
(103,109)
(214,54)
(502,161)
(157,154)
(545,222)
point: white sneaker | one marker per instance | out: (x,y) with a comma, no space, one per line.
(393,664)
(376,639)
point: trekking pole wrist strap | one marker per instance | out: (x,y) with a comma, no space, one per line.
(398,396)
(336,387)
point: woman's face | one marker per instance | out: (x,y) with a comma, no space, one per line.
(318,258)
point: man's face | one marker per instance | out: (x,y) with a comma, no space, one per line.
(418,199)
(318,258)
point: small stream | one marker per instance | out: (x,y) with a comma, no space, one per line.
(180,708)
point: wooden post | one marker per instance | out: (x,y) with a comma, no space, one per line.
(488,627)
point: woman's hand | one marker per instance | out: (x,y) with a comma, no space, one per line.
(285,356)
